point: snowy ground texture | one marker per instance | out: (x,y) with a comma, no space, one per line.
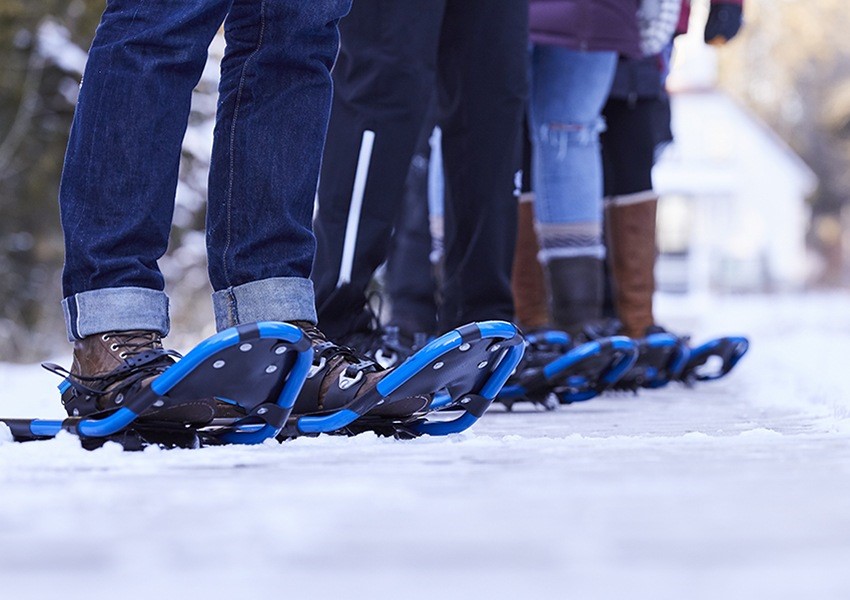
(736,489)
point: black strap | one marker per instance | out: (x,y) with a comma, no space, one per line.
(270,413)
(474,404)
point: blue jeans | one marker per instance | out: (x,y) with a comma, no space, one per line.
(120,174)
(568,91)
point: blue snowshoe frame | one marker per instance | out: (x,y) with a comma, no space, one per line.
(491,350)
(215,367)
(579,387)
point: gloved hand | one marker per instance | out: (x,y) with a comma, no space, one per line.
(724,22)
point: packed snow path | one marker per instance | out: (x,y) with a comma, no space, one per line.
(735,489)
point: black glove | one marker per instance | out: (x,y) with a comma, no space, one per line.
(724,21)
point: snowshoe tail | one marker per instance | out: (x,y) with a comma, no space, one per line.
(257,368)
(713,359)
(465,368)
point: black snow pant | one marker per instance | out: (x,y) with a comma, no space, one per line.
(411,280)
(394,54)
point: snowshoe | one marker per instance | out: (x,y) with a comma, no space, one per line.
(661,358)
(556,372)
(256,370)
(466,367)
(713,359)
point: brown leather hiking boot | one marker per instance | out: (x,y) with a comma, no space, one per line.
(340,375)
(109,368)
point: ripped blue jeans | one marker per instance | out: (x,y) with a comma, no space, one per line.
(568,92)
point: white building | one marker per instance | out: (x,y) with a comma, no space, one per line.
(733,213)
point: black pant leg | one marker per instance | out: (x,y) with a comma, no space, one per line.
(482,86)
(383,81)
(411,285)
(628,145)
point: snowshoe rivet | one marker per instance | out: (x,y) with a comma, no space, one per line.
(119,398)
(466,401)
(218,364)
(482,364)
(245,347)
(495,347)
(438,365)
(159,403)
(379,402)
(464,347)
(262,411)
(271,369)
(76,412)
(280,350)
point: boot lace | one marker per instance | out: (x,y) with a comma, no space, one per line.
(143,357)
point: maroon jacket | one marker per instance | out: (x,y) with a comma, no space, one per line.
(586,24)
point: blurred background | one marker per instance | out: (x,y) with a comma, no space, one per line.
(754,189)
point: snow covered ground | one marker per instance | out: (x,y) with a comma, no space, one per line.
(736,489)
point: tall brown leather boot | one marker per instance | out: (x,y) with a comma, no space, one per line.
(527,282)
(630,235)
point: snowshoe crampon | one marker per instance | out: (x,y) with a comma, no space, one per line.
(463,369)
(661,358)
(256,370)
(713,359)
(554,369)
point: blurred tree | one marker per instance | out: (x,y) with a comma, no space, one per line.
(37,93)
(43,50)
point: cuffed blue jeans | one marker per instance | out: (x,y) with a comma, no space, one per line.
(120,174)
(568,91)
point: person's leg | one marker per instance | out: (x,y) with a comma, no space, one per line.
(117,198)
(382,83)
(120,173)
(528,282)
(567,95)
(274,102)
(410,283)
(482,90)
(275,98)
(630,209)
